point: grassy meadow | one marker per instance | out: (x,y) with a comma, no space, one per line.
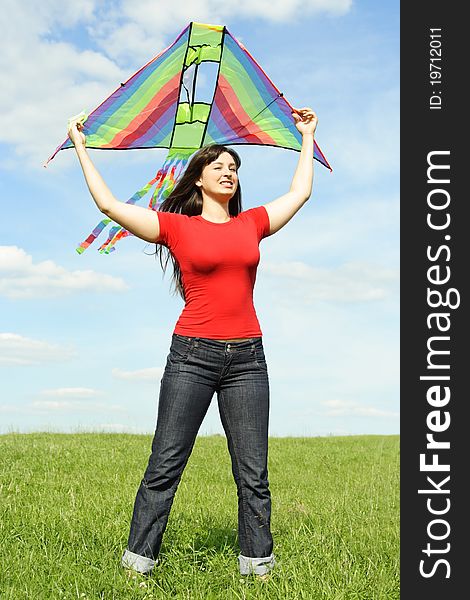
(66,502)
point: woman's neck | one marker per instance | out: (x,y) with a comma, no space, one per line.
(215,211)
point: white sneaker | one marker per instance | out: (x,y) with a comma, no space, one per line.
(138,563)
(256,566)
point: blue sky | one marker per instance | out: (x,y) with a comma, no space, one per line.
(83,339)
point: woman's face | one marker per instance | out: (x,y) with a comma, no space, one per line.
(219,179)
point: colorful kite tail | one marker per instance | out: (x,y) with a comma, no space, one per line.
(164,182)
(168,175)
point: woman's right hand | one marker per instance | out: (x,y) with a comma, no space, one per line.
(76,135)
(142,222)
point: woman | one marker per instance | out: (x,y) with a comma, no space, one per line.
(216,344)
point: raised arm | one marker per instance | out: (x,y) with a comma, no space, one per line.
(281,210)
(142,222)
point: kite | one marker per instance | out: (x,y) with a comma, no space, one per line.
(157,108)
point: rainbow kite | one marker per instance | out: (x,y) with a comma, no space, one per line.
(157,108)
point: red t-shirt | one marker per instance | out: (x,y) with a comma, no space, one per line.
(218,262)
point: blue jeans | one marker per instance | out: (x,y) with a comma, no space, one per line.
(195,369)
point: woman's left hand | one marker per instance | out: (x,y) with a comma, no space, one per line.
(305,120)
(75,133)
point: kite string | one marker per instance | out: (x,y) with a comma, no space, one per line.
(252,119)
(263,109)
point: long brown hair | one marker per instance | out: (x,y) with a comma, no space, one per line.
(186,199)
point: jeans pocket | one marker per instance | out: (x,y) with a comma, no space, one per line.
(180,349)
(260,358)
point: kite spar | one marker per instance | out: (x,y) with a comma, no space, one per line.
(157,108)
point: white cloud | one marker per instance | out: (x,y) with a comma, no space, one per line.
(117,428)
(72,399)
(47,77)
(19,350)
(75,405)
(151,374)
(341,408)
(12,408)
(135,27)
(21,278)
(351,282)
(368,146)
(51,12)
(72,392)
(282,10)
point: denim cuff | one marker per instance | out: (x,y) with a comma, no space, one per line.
(256,566)
(136,562)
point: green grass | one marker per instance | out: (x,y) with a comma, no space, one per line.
(66,502)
